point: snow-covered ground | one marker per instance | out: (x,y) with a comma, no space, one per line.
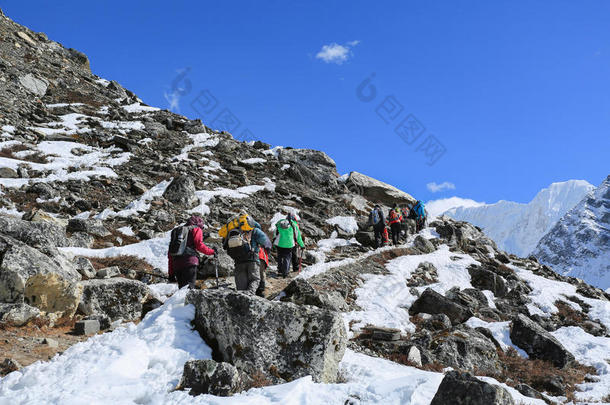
(143,363)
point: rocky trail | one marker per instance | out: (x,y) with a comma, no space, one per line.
(92,180)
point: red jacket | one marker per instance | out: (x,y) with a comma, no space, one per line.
(195,241)
(394,217)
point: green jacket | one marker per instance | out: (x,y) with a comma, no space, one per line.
(286,238)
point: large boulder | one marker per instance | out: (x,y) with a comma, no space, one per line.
(35,234)
(312,159)
(377,191)
(423,245)
(283,341)
(459,388)
(27,275)
(17,314)
(538,343)
(487,280)
(116,298)
(431,302)
(207,266)
(465,349)
(210,377)
(365,238)
(181,191)
(300,292)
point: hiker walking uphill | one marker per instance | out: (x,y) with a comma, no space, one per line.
(287,240)
(185,242)
(418,212)
(394,219)
(378,222)
(242,239)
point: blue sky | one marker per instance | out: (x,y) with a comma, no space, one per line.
(516,93)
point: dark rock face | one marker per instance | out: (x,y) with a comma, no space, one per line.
(486,280)
(116,298)
(464,389)
(181,191)
(210,377)
(301,292)
(423,244)
(365,238)
(90,226)
(225,266)
(431,302)
(538,343)
(466,349)
(280,340)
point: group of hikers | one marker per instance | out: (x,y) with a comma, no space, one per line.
(397,220)
(247,244)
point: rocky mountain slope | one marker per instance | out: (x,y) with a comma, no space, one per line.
(518,227)
(579,244)
(92,180)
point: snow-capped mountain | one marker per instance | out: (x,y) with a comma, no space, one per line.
(579,244)
(517,227)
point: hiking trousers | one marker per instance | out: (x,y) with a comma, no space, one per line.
(395,228)
(247,276)
(284,257)
(262,283)
(186,275)
(295,258)
(378,237)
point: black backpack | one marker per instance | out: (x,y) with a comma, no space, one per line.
(178,242)
(238,245)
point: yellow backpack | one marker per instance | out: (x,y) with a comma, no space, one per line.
(241,221)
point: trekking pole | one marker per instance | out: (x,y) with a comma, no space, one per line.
(216,271)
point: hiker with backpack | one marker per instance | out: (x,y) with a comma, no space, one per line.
(242,239)
(263,259)
(378,222)
(394,219)
(418,212)
(288,240)
(185,242)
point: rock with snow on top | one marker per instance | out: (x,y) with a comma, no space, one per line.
(116,298)
(461,388)
(210,377)
(291,342)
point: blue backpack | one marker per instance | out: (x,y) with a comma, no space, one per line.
(419,210)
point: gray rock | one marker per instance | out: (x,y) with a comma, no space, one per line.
(35,234)
(17,314)
(300,292)
(84,267)
(431,302)
(27,275)
(50,342)
(486,280)
(225,266)
(43,190)
(108,272)
(91,226)
(210,377)
(116,298)
(281,340)
(424,245)
(538,343)
(9,365)
(377,191)
(34,85)
(365,238)
(8,173)
(435,322)
(181,191)
(424,274)
(458,388)
(87,327)
(465,349)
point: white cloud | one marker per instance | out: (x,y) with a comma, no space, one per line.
(335,53)
(438,207)
(435,188)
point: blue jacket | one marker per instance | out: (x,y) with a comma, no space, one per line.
(419,210)
(258,240)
